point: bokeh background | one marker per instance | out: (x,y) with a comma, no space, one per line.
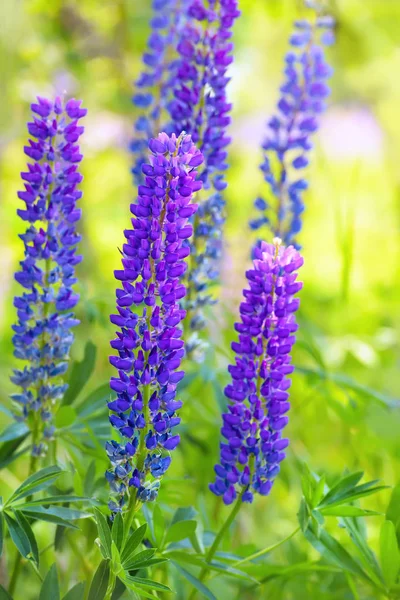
(346,407)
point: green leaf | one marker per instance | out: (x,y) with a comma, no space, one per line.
(18,536)
(99,585)
(389,553)
(8,452)
(334,552)
(303,515)
(24,523)
(187,513)
(308,484)
(68,514)
(97,400)
(132,543)
(180,531)
(65,417)
(80,374)
(13,432)
(367,556)
(36,482)
(195,582)
(104,532)
(50,587)
(341,489)
(57,500)
(136,559)
(118,531)
(146,583)
(344,510)
(1,527)
(76,593)
(4,595)
(159,525)
(393,510)
(42,514)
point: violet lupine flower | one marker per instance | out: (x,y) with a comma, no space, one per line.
(201,108)
(288,141)
(43,334)
(153,86)
(149,344)
(258,395)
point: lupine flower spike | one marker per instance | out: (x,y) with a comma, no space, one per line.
(200,106)
(288,141)
(153,87)
(43,334)
(149,344)
(258,395)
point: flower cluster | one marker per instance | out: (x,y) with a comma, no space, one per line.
(258,395)
(287,144)
(200,107)
(43,333)
(154,84)
(149,344)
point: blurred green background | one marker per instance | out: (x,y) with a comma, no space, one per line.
(346,391)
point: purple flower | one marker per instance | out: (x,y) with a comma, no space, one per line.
(43,334)
(200,107)
(252,429)
(152,89)
(149,340)
(288,141)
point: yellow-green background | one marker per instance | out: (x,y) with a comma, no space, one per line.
(344,413)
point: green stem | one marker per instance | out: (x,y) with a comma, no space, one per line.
(215,545)
(15,573)
(266,550)
(111,585)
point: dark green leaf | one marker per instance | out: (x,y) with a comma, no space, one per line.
(57,500)
(36,482)
(69,514)
(133,542)
(80,374)
(389,553)
(140,557)
(187,513)
(42,514)
(24,523)
(18,536)
(159,525)
(14,431)
(76,593)
(104,532)
(99,585)
(303,515)
(146,583)
(393,510)
(8,452)
(118,531)
(50,587)
(195,582)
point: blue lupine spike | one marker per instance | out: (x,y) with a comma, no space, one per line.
(42,335)
(149,344)
(287,144)
(257,397)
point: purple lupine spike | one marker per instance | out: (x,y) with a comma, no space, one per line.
(149,344)
(152,89)
(288,141)
(43,334)
(258,395)
(200,107)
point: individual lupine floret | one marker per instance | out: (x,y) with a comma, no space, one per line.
(43,334)
(200,107)
(288,140)
(258,395)
(149,344)
(152,89)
